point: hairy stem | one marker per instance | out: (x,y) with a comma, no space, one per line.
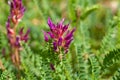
(16,58)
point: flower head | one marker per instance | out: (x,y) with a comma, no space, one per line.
(24,37)
(20,37)
(60,35)
(16,10)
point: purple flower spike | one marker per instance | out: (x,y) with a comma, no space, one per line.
(16,10)
(16,13)
(59,33)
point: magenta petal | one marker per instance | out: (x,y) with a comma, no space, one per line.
(25,37)
(8,23)
(60,42)
(50,23)
(23,9)
(21,31)
(68,43)
(46,37)
(27,33)
(55,46)
(14,1)
(70,35)
(51,34)
(17,43)
(65,28)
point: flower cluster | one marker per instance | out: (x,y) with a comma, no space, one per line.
(60,35)
(16,13)
(16,10)
(11,34)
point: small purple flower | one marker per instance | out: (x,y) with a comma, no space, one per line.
(24,37)
(17,43)
(59,33)
(46,37)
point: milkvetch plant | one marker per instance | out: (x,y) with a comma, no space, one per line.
(16,14)
(59,39)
